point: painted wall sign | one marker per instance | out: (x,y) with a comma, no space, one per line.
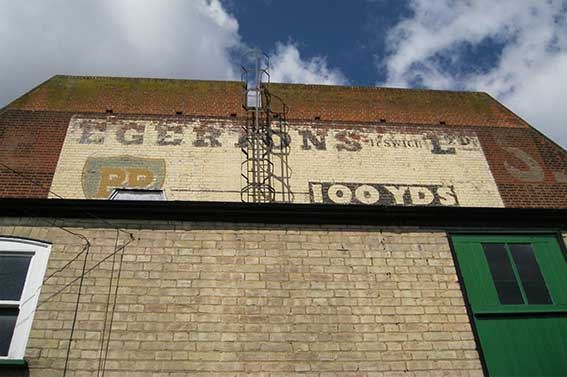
(426,166)
(383,194)
(532,170)
(101,175)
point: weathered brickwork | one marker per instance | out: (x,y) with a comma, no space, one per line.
(30,143)
(529,170)
(348,145)
(305,102)
(134,96)
(256,301)
(199,159)
(362,104)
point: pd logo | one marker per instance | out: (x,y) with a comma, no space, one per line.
(101,175)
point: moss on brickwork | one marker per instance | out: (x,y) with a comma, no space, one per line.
(130,95)
(411,105)
(222,98)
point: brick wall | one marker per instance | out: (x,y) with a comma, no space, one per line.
(200,159)
(30,143)
(134,96)
(514,167)
(335,136)
(258,301)
(367,104)
(530,171)
(223,98)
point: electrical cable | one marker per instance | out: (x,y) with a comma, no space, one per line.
(52,223)
(83,273)
(107,305)
(85,248)
(57,195)
(76,314)
(86,273)
(113,310)
(61,269)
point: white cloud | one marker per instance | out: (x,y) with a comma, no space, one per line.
(288,66)
(529,76)
(174,38)
(195,39)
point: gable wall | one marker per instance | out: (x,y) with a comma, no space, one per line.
(390,141)
(199,159)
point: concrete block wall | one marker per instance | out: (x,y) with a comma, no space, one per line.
(219,299)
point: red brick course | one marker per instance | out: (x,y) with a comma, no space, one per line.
(305,102)
(134,96)
(30,143)
(364,104)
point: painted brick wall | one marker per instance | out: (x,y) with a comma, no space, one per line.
(514,167)
(200,159)
(227,300)
(529,170)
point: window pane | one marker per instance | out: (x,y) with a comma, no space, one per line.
(502,274)
(13,272)
(7,324)
(137,194)
(530,274)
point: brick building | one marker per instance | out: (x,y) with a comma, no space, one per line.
(406,233)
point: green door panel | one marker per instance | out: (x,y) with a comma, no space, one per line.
(520,339)
(524,346)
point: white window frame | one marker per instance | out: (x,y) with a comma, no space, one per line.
(30,294)
(121,191)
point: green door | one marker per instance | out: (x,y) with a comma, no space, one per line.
(517,289)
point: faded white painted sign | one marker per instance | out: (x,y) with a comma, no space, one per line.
(201,160)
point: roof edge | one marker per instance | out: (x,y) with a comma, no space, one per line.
(533,128)
(283,213)
(9,105)
(89,77)
(326,86)
(359,87)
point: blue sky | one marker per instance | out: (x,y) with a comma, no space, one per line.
(345,32)
(516,50)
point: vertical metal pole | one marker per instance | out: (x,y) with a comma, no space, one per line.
(257,89)
(257,167)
